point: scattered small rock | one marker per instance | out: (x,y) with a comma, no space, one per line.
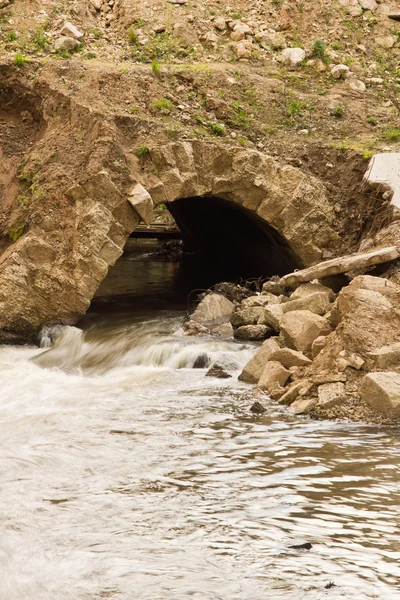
(306,546)
(71,31)
(293,56)
(258,408)
(216,371)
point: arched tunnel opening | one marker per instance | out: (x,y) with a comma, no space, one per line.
(224,241)
(217,241)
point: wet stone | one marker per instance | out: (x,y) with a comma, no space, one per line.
(258,408)
(218,372)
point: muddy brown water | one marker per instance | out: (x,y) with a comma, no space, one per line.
(127,474)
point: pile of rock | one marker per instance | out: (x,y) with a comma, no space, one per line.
(331,355)
(332,359)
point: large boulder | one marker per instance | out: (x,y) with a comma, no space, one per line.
(301,327)
(331,394)
(254,368)
(382,392)
(317,303)
(273,375)
(253,332)
(213,310)
(271,316)
(246,316)
(386,357)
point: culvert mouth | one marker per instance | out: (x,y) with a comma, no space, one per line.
(231,242)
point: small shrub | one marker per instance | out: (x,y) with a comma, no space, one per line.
(294,108)
(372,120)
(12,36)
(142,151)
(242,140)
(217,129)
(16,231)
(163,105)
(318,50)
(40,39)
(368,154)
(155,67)
(132,36)
(19,59)
(337,111)
(133,109)
(392,134)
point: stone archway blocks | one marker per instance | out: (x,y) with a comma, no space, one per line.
(140,200)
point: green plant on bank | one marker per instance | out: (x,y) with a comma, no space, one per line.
(133,109)
(294,108)
(19,59)
(23,201)
(40,39)
(392,134)
(336,46)
(26,177)
(163,105)
(368,154)
(217,129)
(132,35)
(372,120)
(243,141)
(12,36)
(337,111)
(63,54)
(161,48)
(155,67)
(318,50)
(97,34)
(16,231)
(142,151)
(160,207)
(240,116)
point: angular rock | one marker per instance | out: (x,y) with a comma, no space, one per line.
(263,300)
(318,345)
(66,44)
(343,264)
(243,49)
(301,327)
(293,56)
(357,85)
(254,368)
(340,71)
(296,389)
(273,374)
(258,408)
(271,316)
(218,372)
(191,327)
(223,331)
(317,303)
(246,316)
(213,310)
(368,4)
(202,361)
(382,392)
(386,41)
(303,407)
(253,332)
(386,357)
(96,4)
(395,15)
(273,287)
(290,358)
(331,394)
(306,289)
(140,199)
(220,23)
(70,30)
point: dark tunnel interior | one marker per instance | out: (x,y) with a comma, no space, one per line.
(227,242)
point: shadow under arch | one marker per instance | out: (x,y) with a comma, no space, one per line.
(231,241)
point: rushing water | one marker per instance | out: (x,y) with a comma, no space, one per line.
(127,474)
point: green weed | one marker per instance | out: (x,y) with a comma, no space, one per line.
(19,59)
(142,151)
(337,111)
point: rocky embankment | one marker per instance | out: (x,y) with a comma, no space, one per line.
(327,354)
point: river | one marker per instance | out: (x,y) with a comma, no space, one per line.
(126,474)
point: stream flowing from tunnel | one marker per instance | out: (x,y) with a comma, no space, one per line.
(127,474)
